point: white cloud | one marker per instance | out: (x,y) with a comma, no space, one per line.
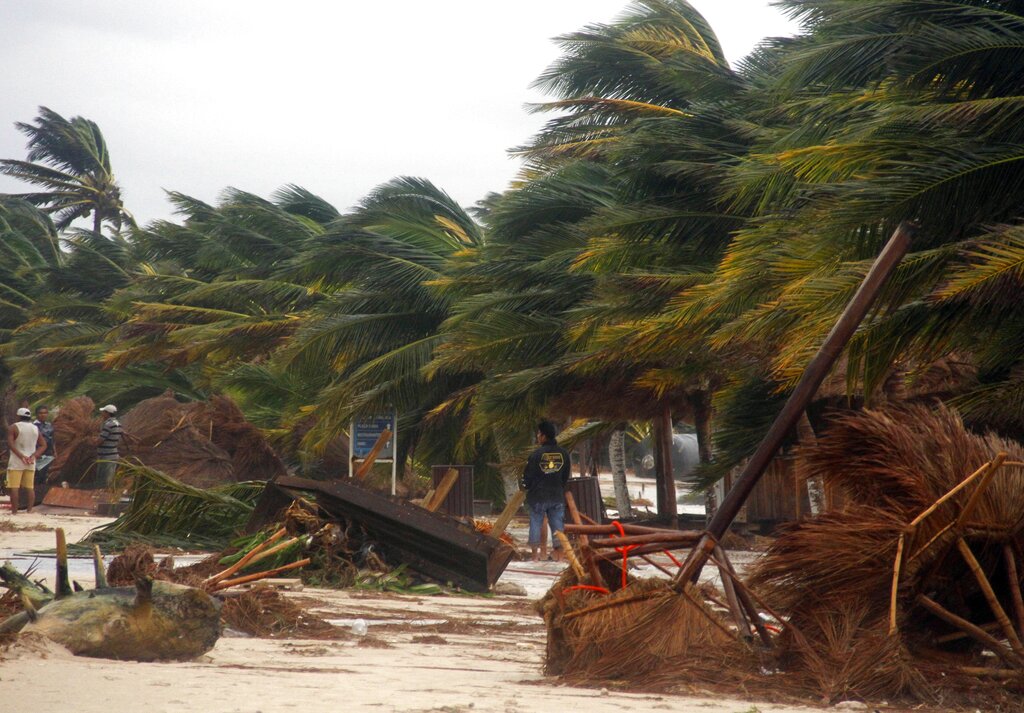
(195,96)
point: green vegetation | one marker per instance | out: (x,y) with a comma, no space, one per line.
(683,235)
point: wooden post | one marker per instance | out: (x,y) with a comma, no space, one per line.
(1014,577)
(443,488)
(801,397)
(367,463)
(585,551)
(672,507)
(63,583)
(990,597)
(972,630)
(658,444)
(742,625)
(99,571)
(701,402)
(511,508)
(725,566)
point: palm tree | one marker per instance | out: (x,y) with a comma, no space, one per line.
(69,161)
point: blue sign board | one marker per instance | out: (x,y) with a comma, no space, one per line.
(365,432)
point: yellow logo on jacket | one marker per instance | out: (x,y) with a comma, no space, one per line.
(551,462)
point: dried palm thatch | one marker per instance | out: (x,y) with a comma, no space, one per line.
(634,632)
(199,443)
(262,611)
(927,530)
(138,561)
(77,434)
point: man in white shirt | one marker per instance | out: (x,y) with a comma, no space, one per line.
(25,443)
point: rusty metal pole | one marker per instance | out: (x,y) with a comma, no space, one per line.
(802,395)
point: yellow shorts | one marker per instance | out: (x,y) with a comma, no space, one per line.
(21,478)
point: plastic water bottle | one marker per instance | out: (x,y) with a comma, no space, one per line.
(359,627)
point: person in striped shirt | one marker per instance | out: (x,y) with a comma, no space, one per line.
(107,453)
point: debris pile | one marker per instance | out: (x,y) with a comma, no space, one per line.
(202,444)
(910,592)
(632,632)
(913,588)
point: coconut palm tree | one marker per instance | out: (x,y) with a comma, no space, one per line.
(69,161)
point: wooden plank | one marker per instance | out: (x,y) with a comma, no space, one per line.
(367,463)
(430,543)
(511,508)
(434,502)
(76,498)
(286,584)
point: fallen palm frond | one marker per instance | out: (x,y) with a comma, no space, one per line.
(166,512)
(264,612)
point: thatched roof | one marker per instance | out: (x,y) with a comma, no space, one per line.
(199,443)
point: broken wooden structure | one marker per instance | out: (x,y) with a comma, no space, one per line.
(430,543)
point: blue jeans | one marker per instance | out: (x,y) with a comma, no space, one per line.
(556,521)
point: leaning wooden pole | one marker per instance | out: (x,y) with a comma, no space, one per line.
(801,397)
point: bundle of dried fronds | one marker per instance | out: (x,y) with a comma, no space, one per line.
(903,460)
(264,612)
(202,444)
(10,603)
(77,434)
(928,543)
(845,651)
(486,526)
(136,561)
(632,632)
(139,561)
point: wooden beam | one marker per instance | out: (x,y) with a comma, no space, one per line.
(433,544)
(801,397)
(1014,581)
(588,554)
(443,488)
(975,632)
(511,508)
(990,596)
(63,583)
(367,463)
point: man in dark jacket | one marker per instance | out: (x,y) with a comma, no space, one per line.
(544,479)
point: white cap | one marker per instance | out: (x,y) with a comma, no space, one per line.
(24,412)
(109,408)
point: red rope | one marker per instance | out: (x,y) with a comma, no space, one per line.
(624,549)
(587,587)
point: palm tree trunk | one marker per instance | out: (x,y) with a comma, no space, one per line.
(510,470)
(702,423)
(617,456)
(97,221)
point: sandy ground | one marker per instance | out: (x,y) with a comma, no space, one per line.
(452,654)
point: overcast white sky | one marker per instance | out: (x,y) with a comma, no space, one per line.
(197,95)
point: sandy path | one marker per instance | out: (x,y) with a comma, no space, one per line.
(489,661)
(447,654)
